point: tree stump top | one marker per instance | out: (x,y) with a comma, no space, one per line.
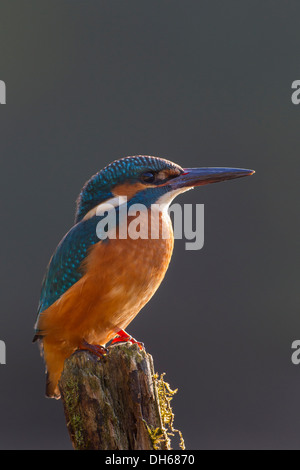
(112,403)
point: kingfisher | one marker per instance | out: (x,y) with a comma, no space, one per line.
(96,283)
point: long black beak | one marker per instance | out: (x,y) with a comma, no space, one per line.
(199,176)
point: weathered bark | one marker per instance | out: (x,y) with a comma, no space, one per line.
(112,403)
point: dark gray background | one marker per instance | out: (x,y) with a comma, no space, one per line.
(200,83)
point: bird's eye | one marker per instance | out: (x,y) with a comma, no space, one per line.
(148,177)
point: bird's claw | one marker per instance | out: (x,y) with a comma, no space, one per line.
(123,337)
(96,349)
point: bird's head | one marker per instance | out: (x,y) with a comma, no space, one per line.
(147,180)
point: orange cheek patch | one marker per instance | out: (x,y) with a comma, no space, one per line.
(170,172)
(128,190)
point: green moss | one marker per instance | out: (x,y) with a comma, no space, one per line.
(165,396)
(157,436)
(71,400)
(129,352)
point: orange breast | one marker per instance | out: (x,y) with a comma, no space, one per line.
(120,278)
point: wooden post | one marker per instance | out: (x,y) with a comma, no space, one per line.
(114,402)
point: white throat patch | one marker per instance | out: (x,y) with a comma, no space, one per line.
(106,206)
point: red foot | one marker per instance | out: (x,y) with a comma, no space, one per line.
(123,337)
(96,349)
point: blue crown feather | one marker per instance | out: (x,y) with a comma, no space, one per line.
(128,169)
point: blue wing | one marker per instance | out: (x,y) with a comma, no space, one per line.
(64,270)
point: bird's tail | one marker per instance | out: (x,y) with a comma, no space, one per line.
(52,390)
(54,359)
